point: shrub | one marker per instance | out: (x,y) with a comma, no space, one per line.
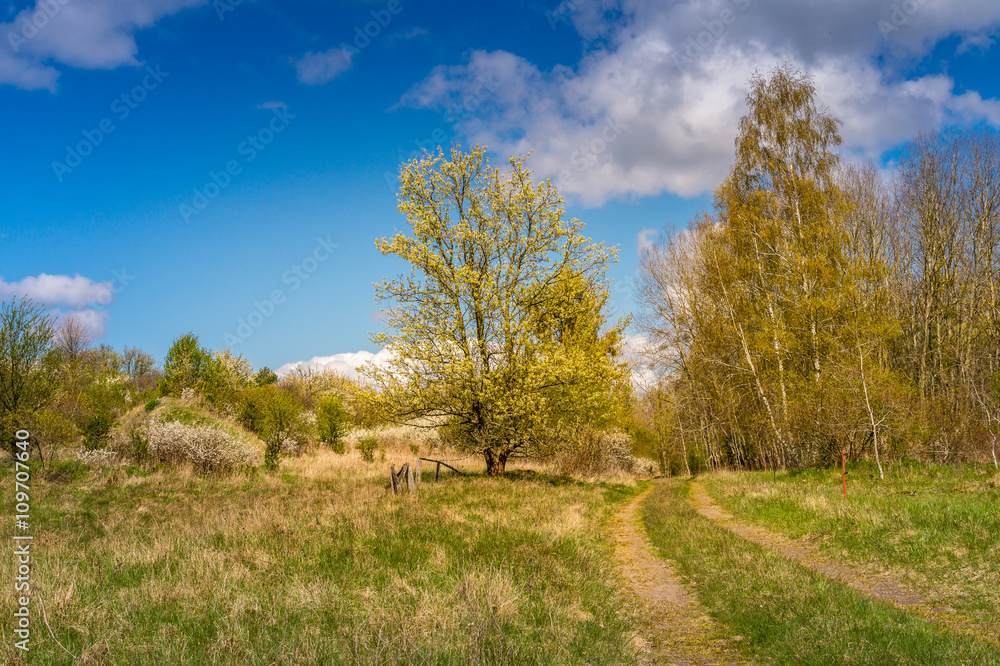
(207,447)
(333,423)
(225,378)
(138,444)
(265,376)
(185,365)
(273,415)
(152,404)
(96,429)
(367,446)
(594,453)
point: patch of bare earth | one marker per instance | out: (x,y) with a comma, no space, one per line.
(676,629)
(869,580)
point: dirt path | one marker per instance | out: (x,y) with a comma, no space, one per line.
(675,627)
(876,584)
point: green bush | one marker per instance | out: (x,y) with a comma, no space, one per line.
(138,444)
(265,376)
(152,404)
(333,422)
(185,366)
(273,415)
(96,429)
(367,446)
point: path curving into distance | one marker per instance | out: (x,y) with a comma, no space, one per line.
(676,628)
(879,585)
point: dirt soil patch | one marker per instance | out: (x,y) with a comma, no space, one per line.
(676,629)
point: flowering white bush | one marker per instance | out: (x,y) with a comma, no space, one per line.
(99,458)
(206,447)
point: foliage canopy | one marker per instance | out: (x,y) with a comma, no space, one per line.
(498,330)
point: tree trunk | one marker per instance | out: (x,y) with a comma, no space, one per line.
(496,461)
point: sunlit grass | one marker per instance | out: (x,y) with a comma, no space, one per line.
(935,526)
(785,613)
(319,563)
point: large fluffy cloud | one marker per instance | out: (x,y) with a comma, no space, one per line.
(89,34)
(78,297)
(654,104)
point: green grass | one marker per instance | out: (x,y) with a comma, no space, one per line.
(785,613)
(936,527)
(318,565)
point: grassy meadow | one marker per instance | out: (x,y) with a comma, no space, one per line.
(319,564)
(784,613)
(934,526)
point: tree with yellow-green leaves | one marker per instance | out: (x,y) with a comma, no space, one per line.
(498,331)
(771,315)
(785,279)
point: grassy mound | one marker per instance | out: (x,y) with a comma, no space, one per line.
(178,431)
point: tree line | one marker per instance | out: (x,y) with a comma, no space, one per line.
(819,307)
(823,307)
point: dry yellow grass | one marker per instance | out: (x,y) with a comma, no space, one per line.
(320,564)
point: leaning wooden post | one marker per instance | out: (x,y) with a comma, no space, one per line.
(418,473)
(392,479)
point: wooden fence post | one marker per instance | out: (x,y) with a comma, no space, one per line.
(392,479)
(843,462)
(418,473)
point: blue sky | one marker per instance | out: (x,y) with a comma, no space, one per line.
(179,165)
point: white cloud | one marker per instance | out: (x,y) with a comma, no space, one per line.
(654,105)
(317,68)
(346,363)
(95,322)
(271,106)
(636,350)
(644,239)
(78,297)
(87,34)
(59,290)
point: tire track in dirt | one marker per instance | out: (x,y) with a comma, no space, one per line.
(676,628)
(879,585)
